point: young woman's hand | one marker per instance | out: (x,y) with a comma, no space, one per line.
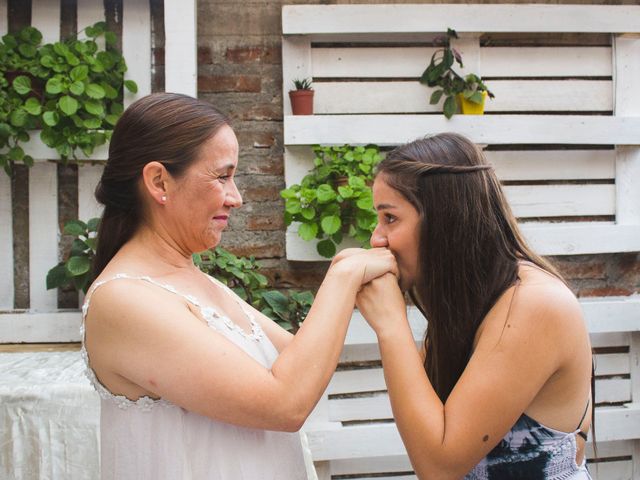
(367,264)
(381,303)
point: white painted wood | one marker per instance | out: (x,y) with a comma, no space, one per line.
(322,19)
(298,162)
(359,380)
(619,339)
(28,327)
(296,65)
(43,234)
(392,463)
(88,178)
(6,239)
(410,62)
(615,470)
(136,48)
(468,45)
(45,16)
(621,448)
(634,362)
(4,17)
(626,50)
(613,314)
(574,238)
(561,200)
(612,364)
(553,164)
(88,13)
(487,129)
(613,390)
(510,96)
(180,54)
(40,152)
(627,185)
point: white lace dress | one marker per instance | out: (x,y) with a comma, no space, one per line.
(154,439)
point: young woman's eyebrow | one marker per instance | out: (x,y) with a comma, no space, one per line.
(385,206)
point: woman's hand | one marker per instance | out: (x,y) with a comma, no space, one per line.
(367,264)
(381,303)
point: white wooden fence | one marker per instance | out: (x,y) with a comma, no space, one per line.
(43,321)
(563,134)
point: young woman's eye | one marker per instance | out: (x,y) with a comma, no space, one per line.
(389,218)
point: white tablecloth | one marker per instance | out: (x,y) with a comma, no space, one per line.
(49,418)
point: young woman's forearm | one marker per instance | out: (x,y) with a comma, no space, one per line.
(417,409)
(306,365)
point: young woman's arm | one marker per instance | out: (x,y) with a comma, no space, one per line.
(509,366)
(155,342)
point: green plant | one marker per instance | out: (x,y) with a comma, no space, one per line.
(72,89)
(75,271)
(440,73)
(238,273)
(335,198)
(302,84)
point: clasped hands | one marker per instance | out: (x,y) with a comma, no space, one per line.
(379,299)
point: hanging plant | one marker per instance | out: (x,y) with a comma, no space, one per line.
(71,89)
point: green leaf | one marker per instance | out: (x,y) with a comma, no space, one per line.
(308,231)
(95,91)
(75,228)
(131,86)
(19,117)
(365,202)
(77,266)
(53,86)
(450,107)
(28,51)
(77,88)
(109,92)
(326,248)
(308,212)
(22,84)
(51,118)
(92,123)
(111,119)
(93,224)
(476,97)
(345,192)
(436,96)
(68,105)
(79,73)
(46,61)
(16,154)
(331,224)
(94,107)
(57,276)
(325,193)
(28,160)
(277,301)
(110,38)
(33,106)
(78,247)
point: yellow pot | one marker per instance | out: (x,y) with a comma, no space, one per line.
(471,108)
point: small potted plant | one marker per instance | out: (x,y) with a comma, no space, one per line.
(302,97)
(466,94)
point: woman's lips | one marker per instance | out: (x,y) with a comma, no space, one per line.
(222,218)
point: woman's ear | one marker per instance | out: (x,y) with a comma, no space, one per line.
(154,179)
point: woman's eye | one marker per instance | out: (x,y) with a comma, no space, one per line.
(389,218)
(224,178)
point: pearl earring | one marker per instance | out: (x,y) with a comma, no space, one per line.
(163,198)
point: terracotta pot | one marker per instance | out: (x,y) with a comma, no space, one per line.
(301,102)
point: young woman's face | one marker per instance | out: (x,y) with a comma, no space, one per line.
(207,192)
(397,229)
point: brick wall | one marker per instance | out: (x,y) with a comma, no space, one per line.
(240,72)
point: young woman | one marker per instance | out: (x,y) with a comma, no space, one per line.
(501,388)
(196,384)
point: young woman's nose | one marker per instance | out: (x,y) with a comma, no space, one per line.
(378,239)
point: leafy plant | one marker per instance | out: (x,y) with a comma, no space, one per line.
(238,273)
(75,271)
(440,73)
(335,198)
(72,89)
(302,84)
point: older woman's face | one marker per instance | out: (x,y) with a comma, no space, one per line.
(207,192)
(397,229)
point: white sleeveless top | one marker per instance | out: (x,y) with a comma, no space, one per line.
(154,439)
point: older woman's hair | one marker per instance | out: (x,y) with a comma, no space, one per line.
(168,128)
(470,244)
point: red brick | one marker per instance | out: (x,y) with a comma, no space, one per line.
(261,193)
(257,54)
(205,57)
(258,250)
(581,270)
(229,83)
(266,222)
(256,139)
(607,291)
(265,111)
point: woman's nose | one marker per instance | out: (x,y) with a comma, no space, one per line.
(378,239)
(234,199)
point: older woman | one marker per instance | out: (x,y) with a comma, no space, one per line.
(195,383)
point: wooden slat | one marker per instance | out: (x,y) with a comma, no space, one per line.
(43,234)
(6,239)
(612,364)
(88,177)
(323,19)
(180,47)
(487,129)
(45,16)
(296,65)
(4,17)
(49,327)
(511,96)
(561,200)
(614,314)
(553,164)
(616,470)
(136,48)
(355,466)
(619,339)
(379,440)
(89,12)
(410,62)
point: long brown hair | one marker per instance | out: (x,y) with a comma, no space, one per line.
(470,245)
(168,128)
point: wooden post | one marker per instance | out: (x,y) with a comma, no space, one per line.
(180,53)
